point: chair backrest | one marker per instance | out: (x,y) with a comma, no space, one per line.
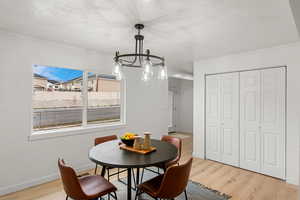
(175,141)
(101,140)
(175,180)
(70,181)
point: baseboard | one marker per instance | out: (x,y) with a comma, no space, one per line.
(195,155)
(292,181)
(38,181)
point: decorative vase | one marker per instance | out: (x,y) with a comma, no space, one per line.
(137,143)
(147,141)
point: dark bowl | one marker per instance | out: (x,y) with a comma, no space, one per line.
(128,142)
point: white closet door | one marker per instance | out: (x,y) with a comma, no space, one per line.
(262,121)
(222,118)
(250,120)
(229,104)
(273,122)
(213,150)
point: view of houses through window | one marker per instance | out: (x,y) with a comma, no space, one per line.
(58,98)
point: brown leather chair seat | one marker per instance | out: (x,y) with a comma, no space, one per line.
(152,186)
(168,185)
(85,187)
(90,186)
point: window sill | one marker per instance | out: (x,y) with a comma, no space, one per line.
(47,134)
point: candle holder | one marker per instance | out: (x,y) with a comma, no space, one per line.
(147,141)
(138,142)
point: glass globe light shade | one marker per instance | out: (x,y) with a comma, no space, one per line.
(162,73)
(117,71)
(146,77)
(148,67)
(116,68)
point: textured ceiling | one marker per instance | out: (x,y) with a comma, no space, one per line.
(179,30)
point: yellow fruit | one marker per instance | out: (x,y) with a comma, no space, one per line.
(129,135)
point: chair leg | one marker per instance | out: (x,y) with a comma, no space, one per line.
(118,174)
(96,169)
(67,197)
(137,194)
(108,176)
(103,171)
(115,196)
(124,182)
(142,175)
(186,198)
(134,181)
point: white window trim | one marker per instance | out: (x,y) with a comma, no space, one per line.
(63,132)
(84,128)
(84,94)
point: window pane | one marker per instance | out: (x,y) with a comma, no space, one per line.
(103,99)
(57,100)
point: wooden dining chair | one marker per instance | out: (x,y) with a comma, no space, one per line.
(177,142)
(101,140)
(85,187)
(168,185)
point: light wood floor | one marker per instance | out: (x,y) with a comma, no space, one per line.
(240,184)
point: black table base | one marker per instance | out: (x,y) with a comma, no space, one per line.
(129,183)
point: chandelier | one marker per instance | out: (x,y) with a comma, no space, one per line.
(140,59)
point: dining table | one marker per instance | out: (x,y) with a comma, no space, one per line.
(109,154)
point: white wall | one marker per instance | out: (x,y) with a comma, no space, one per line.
(299,152)
(288,55)
(183,100)
(24,162)
(295,8)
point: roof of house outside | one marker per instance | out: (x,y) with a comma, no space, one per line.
(93,76)
(39,76)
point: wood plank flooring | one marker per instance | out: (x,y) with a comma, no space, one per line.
(240,184)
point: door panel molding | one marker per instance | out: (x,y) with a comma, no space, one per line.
(261,127)
(222,94)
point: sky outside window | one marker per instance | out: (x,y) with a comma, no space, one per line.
(56,73)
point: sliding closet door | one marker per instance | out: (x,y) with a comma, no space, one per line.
(250,120)
(273,122)
(222,118)
(229,100)
(213,149)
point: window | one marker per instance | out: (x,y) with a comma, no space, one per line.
(103,99)
(64,97)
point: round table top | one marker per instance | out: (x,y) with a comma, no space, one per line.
(109,154)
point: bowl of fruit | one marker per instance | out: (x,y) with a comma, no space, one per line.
(128,139)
